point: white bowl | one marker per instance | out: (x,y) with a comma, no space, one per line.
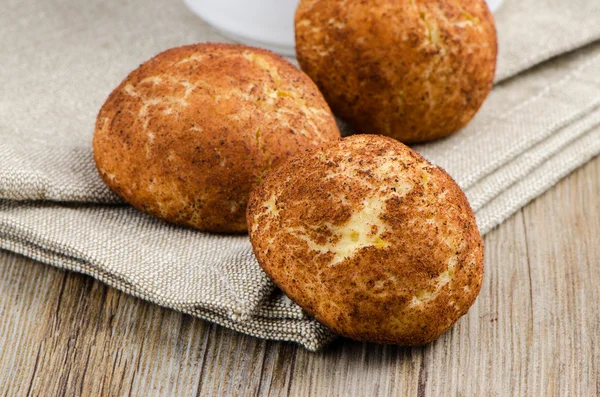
(261,23)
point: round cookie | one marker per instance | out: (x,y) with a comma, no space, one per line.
(371,239)
(187,135)
(411,69)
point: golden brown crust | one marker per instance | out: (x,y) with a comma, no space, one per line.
(411,69)
(187,135)
(370,238)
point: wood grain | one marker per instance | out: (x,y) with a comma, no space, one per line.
(534,330)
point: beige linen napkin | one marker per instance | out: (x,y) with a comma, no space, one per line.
(61,58)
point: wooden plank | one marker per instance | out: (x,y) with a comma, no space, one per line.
(29,293)
(534,330)
(563,240)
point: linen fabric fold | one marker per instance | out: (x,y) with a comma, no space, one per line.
(61,58)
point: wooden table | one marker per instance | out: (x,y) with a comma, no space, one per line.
(534,330)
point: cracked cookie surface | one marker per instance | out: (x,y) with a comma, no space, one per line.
(187,135)
(414,70)
(370,238)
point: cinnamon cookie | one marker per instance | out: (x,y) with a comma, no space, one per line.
(371,239)
(187,135)
(411,69)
